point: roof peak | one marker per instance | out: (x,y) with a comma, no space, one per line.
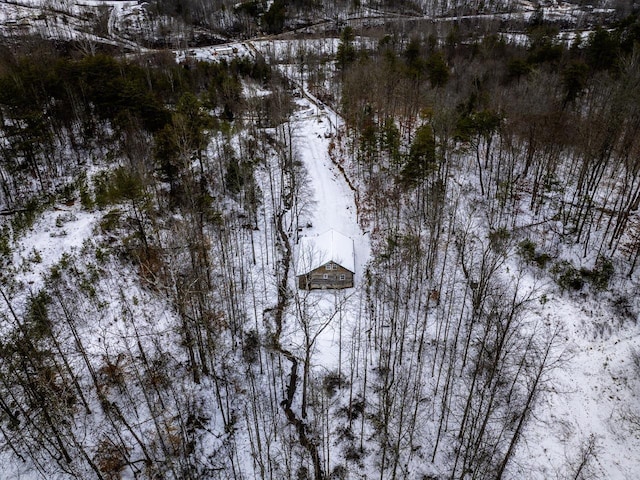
(320,249)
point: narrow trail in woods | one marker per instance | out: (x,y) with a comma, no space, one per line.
(331,203)
(283,301)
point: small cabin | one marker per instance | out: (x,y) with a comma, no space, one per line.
(325,261)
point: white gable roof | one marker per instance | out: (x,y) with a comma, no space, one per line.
(331,246)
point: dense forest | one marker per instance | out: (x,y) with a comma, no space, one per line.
(151,203)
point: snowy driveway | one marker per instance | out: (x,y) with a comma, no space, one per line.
(333,204)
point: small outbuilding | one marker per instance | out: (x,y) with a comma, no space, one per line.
(325,261)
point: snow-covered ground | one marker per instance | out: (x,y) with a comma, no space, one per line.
(61,230)
(593,393)
(589,407)
(78,20)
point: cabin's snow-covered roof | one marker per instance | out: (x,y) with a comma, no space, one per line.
(331,246)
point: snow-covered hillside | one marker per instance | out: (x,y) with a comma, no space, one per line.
(154,206)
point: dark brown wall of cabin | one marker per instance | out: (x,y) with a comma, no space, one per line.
(315,278)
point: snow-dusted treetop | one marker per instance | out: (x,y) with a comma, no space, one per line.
(331,246)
